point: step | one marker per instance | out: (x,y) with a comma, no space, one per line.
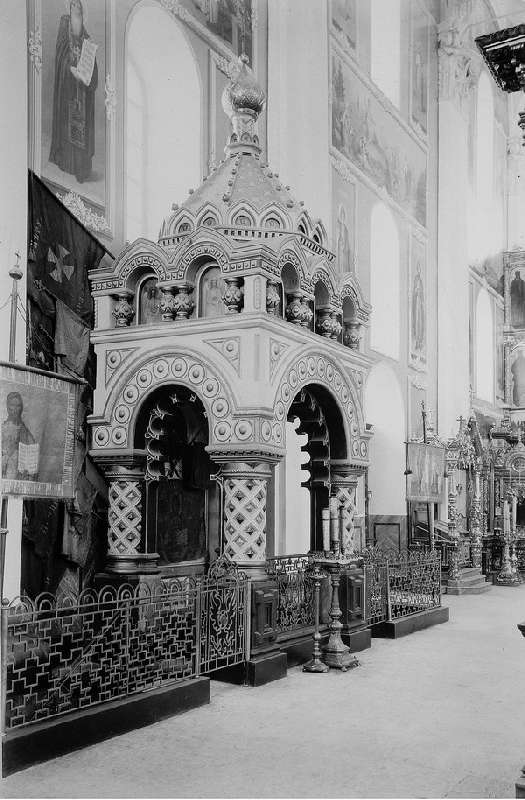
(480,589)
(468,580)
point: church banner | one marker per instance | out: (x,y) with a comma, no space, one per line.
(37,434)
(426,472)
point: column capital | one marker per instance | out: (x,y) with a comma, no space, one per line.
(115,462)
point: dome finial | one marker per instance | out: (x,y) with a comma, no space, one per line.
(243,100)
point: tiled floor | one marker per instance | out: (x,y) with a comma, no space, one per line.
(436,714)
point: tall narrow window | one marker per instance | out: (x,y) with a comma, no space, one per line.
(485,355)
(385,46)
(163,145)
(384,282)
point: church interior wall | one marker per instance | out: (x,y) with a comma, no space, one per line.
(13,221)
(343,146)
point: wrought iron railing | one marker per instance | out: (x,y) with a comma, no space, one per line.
(295,604)
(399,585)
(71,653)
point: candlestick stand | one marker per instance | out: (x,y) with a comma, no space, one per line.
(315,664)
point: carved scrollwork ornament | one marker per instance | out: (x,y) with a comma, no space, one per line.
(232,297)
(273,298)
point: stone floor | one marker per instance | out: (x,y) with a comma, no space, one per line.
(436,714)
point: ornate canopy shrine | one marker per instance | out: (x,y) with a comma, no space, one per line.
(207,342)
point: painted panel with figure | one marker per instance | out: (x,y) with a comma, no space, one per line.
(344,222)
(37,432)
(517,371)
(343,14)
(419,70)
(418,304)
(417,395)
(230,20)
(363,131)
(73,118)
(517,299)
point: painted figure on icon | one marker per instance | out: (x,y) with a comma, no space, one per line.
(75,84)
(418,312)
(517,301)
(17,440)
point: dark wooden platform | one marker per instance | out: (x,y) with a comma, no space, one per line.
(405,625)
(29,745)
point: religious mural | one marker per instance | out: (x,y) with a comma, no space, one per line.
(230,20)
(344,22)
(517,300)
(418,305)
(363,132)
(73,119)
(344,222)
(419,69)
(416,396)
(518,377)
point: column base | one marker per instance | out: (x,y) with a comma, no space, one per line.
(133,564)
(266,668)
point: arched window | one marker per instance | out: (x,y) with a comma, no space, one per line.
(385,47)
(184,227)
(211,289)
(149,297)
(272,222)
(243,220)
(485,353)
(384,282)
(162,161)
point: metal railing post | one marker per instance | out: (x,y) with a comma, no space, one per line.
(198,655)
(248,619)
(4,617)
(388,604)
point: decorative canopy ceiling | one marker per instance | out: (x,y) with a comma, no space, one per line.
(504,53)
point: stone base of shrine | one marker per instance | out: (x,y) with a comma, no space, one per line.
(520,786)
(266,668)
(405,625)
(41,741)
(470,581)
(357,640)
(298,646)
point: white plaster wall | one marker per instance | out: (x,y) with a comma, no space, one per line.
(298,104)
(453,308)
(13,217)
(385,410)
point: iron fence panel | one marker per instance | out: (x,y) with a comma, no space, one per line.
(72,653)
(295,592)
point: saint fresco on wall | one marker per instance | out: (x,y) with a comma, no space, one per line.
(343,214)
(517,300)
(417,395)
(230,20)
(363,132)
(518,377)
(419,88)
(344,22)
(418,315)
(73,119)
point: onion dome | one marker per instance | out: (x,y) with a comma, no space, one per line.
(243,93)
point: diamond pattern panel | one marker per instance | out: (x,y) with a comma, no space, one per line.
(245,519)
(125,517)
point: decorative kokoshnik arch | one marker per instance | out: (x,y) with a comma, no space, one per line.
(312,367)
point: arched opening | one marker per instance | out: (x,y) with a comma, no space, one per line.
(181,507)
(384,282)
(317,435)
(290,285)
(385,47)
(162,161)
(211,290)
(386,481)
(485,350)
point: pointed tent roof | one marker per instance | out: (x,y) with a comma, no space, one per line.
(241,180)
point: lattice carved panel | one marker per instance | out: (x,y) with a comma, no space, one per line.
(245,518)
(125,517)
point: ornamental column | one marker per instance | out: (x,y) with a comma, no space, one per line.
(127,548)
(245,488)
(343,486)
(475,522)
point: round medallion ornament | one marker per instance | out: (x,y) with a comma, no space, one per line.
(113,359)
(144,378)
(292,377)
(122,413)
(311,366)
(302,369)
(222,431)
(118,435)
(220,407)
(243,430)
(179,367)
(363,449)
(210,387)
(160,368)
(101,437)
(196,373)
(286,393)
(131,394)
(277,434)
(266,430)
(280,410)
